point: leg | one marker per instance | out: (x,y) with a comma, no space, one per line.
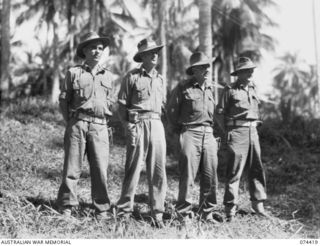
(209,177)
(190,155)
(74,147)
(134,161)
(156,165)
(257,180)
(98,155)
(238,147)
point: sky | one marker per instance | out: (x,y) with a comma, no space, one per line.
(294,34)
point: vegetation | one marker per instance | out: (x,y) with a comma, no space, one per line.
(31,152)
(31,127)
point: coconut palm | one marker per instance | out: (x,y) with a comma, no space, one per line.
(205,32)
(290,81)
(76,17)
(237,29)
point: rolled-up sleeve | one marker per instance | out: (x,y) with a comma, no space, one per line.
(65,96)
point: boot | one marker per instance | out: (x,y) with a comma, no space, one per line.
(258,208)
(230,210)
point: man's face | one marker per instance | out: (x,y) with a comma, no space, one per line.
(93,51)
(201,73)
(150,57)
(245,75)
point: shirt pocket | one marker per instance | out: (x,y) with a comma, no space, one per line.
(241,101)
(83,89)
(107,88)
(142,91)
(192,101)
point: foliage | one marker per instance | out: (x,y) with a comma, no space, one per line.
(296,87)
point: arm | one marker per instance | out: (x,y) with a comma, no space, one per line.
(173,109)
(221,109)
(124,99)
(65,96)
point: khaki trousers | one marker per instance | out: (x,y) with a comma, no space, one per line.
(244,151)
(198,152)
(93,139)
(145,144)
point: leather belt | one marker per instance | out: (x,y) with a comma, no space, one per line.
(244,123)
(207,129)
(149,116)
(85,117)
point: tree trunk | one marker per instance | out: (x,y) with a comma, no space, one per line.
(316,49)
(205,33)
(55,50)
(5,49)
(163,40)
(93,15)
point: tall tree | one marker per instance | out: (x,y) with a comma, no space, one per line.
(290,81)
(205,32)
(163,8)
(238,30)
(5,48)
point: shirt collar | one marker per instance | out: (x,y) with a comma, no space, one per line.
(153,72)
(194,83)
(101,69)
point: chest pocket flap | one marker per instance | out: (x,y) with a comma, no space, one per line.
(188,95)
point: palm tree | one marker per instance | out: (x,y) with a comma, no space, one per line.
(290,81)
(237,30)
(82,16)
(5,48)
(205,34)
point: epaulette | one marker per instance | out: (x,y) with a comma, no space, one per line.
(134,71)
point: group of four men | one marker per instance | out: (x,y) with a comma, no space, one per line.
(85,102)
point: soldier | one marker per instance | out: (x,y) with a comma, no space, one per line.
(85,102)
(141,100)
(239,106)
(191,111)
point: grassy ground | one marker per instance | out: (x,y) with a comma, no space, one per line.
(31,152)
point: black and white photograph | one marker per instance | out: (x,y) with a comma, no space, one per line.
(179,121)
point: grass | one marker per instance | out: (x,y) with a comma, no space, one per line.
(31,151)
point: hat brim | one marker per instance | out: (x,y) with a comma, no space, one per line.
(205,62)
(137,56)
(234,73)
(79,52)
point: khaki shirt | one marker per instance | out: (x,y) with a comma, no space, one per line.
(191,105)
(141,92)
(236,103)
(85,92)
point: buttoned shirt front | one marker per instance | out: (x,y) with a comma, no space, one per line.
(239,103)
(83,91)
(142,91)
(191,105)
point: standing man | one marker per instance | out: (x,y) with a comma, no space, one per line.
(85,102)
(191,111)
(141,100)
(239,106)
